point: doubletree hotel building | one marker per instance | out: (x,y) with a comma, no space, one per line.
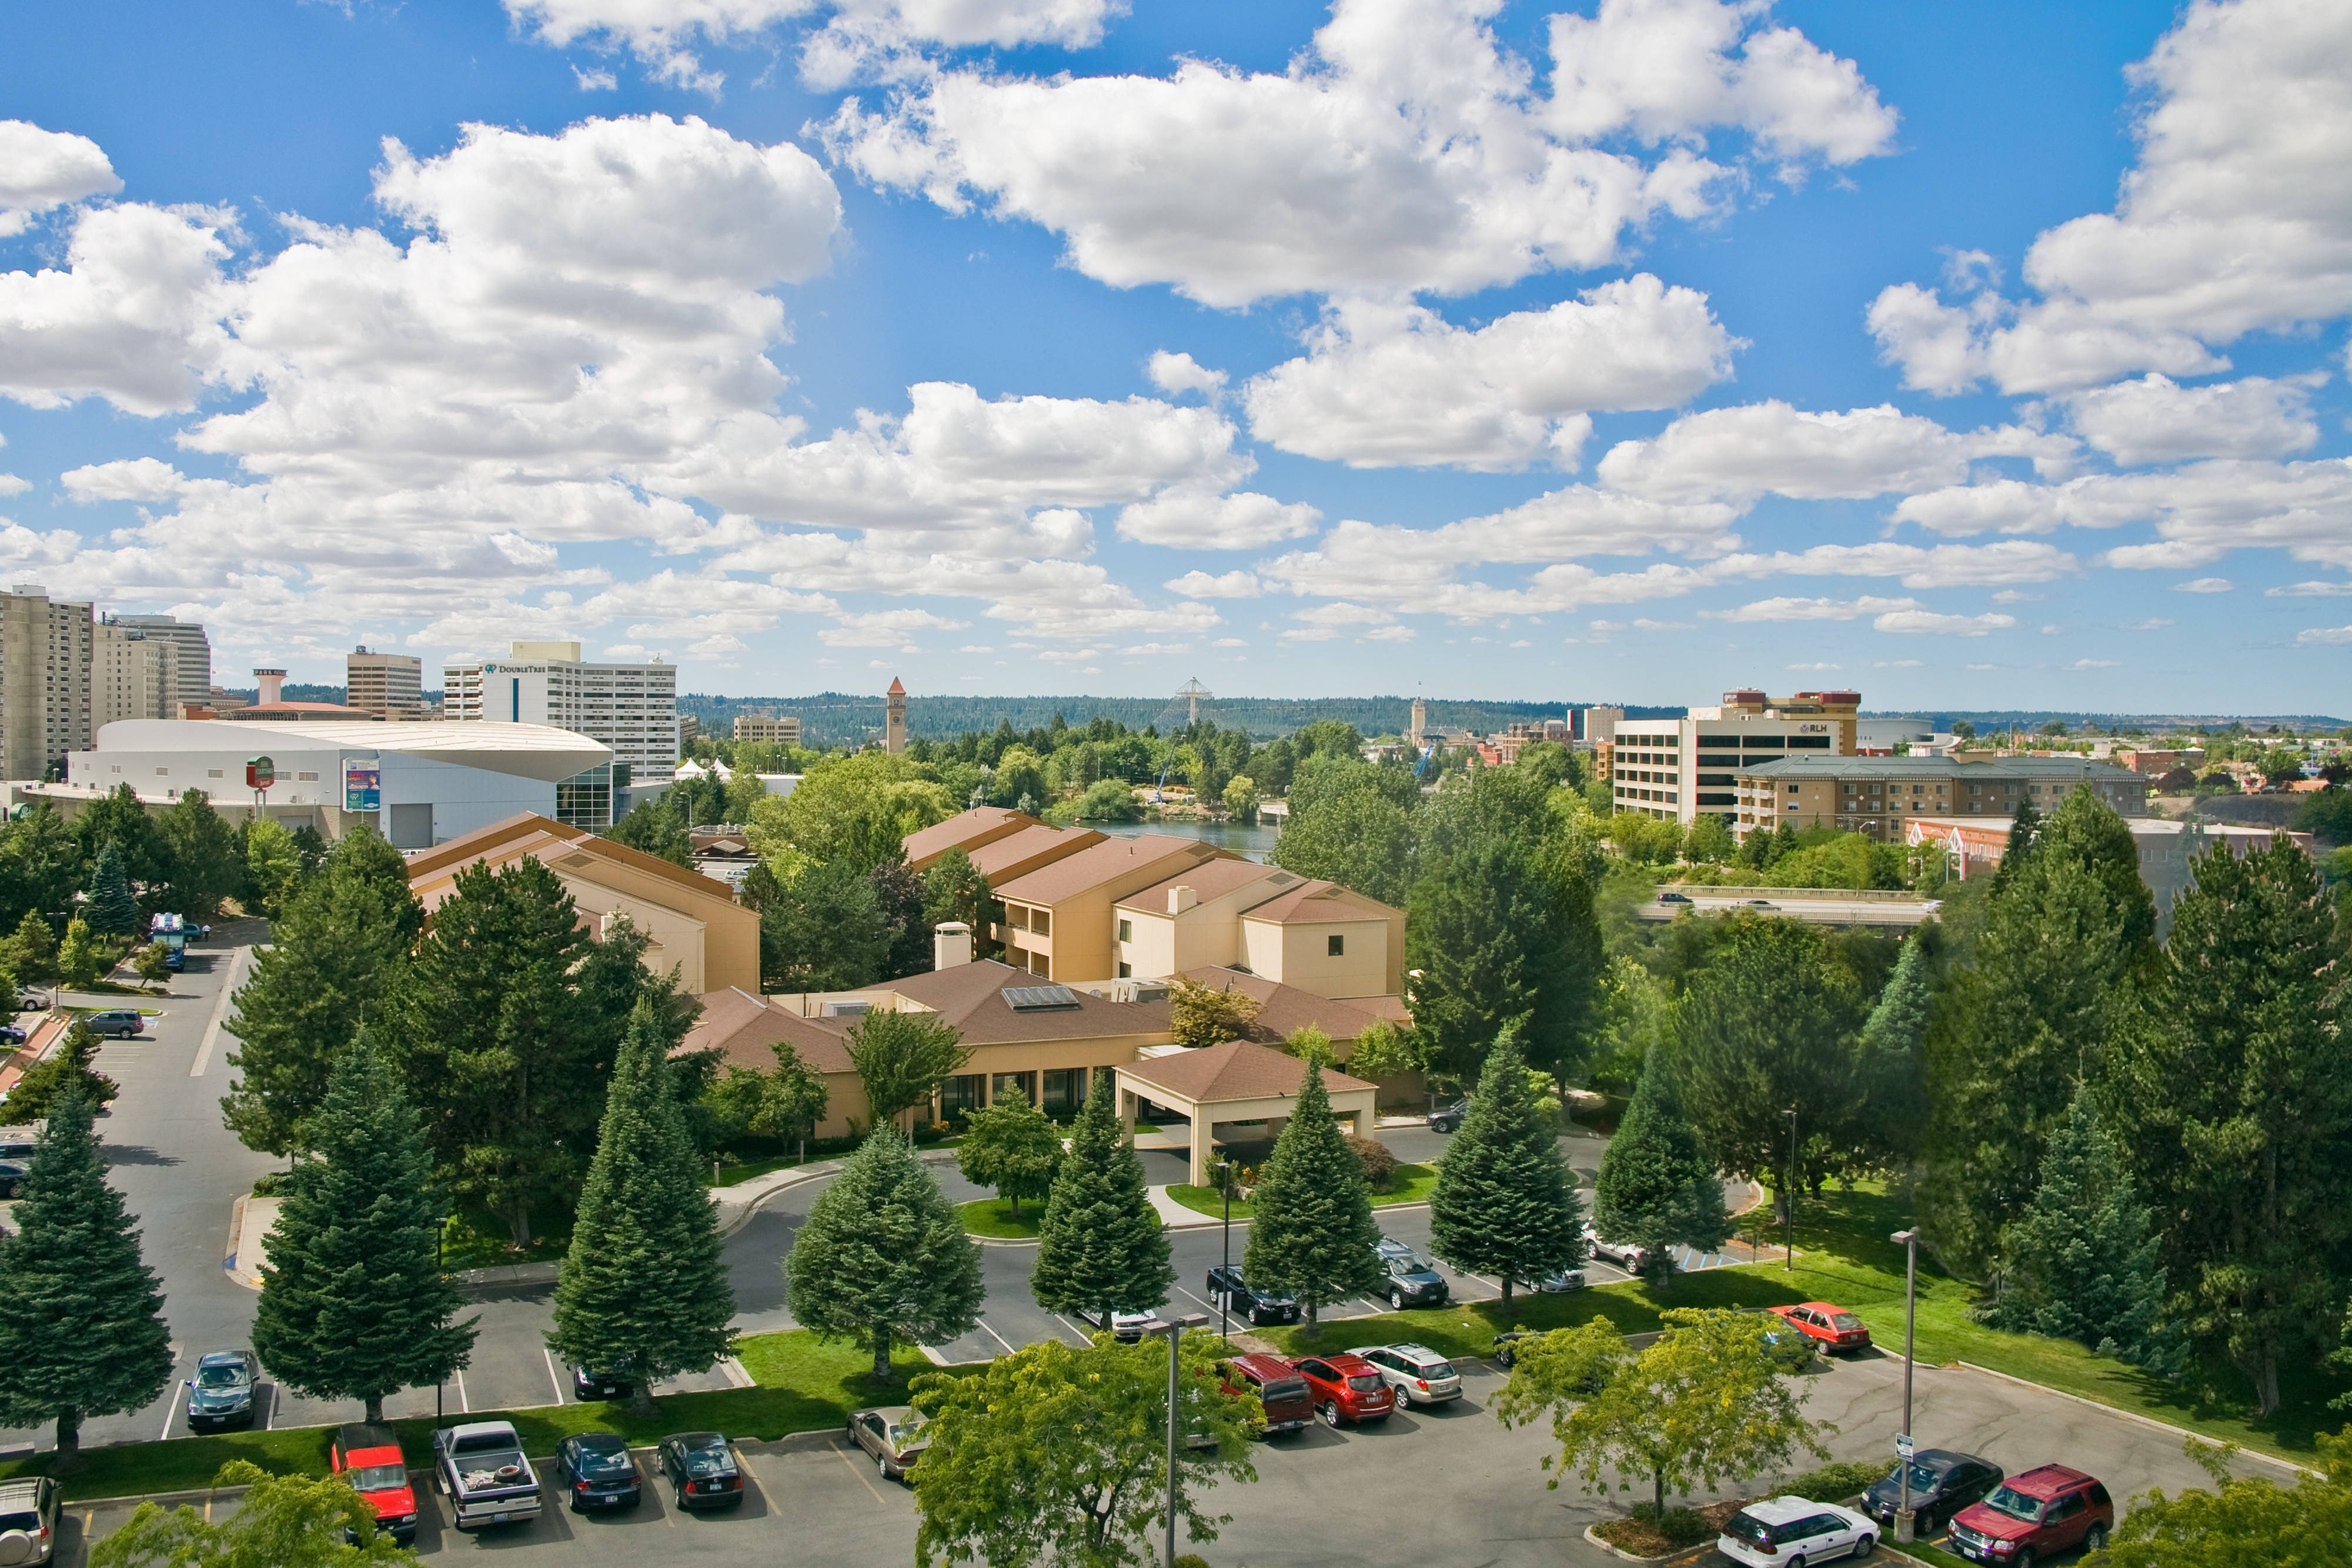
(1681,767)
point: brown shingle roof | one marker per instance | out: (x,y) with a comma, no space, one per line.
(1107,862)
(965,830)
(1237,1070)
(1283,1009)
(1314,901)
(1029,850)
(1209,879)
(743,1029)
(562,847)
(971,996)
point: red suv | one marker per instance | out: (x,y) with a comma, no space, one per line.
(1278,1387)
(1833,1328)
(2035,1515)
(1347,1388)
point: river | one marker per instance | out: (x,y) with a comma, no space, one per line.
(1256,843)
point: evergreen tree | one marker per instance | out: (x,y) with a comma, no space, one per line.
(1312,1233)
(826,930)
(2024,828)
(32,948)
(2081,1262)
(644,1288)
(78,959)
(1101,1247)
(1013,1147)
(1505,1203)
(354,1303)
(955,889)
(1474,935)
(201,852)
(2067,935)
(1891,1108)
(654,826)
(1658,1186)
(111,910)
(40,862)
(883,1258)
(84,1333)
(67,1071)
(898,897)
(2230,1091)
(333,961)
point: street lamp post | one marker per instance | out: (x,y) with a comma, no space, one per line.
(1174,1328)
(1224,1173)
(1789,1198)
(1905,1525)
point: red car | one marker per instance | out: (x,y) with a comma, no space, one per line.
(1280,1391)
(2035,1515)
(370,1458)
(1833,1328)
(1347,1388)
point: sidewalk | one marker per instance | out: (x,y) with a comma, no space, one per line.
(1173,1215)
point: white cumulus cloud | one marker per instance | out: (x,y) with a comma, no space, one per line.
(41,169)
(2156,420)
(1738,454)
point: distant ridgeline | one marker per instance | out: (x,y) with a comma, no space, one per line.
(2109,723)
(831,718)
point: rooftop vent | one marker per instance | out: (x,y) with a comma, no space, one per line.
(1040,999)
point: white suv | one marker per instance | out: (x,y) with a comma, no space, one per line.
(28,1519)
(1418,1373)
(1795,1532)
(1624,1254)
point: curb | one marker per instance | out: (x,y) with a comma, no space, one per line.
(236,1234)
(1684,1554)
(2181,1432)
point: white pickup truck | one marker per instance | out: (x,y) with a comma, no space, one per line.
(480,1466)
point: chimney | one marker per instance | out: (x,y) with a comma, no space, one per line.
(270,680)
(1181,898)
(950,944)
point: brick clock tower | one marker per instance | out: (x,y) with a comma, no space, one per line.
(894,724)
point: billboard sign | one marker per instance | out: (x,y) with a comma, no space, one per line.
(363,787)
(260,773)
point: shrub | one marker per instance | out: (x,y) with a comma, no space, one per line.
(1379,1160)
(1835,1483)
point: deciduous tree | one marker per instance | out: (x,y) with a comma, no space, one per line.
(883,1258)
(1505,1204)
(1355,833)
(1012,1147)
(1658,1186)
(654,826)
(898,897)
(1312,1232)
(1101,1247)
(1208,1015)
(283,1521)
(903,1059)
(823,930)
(954,889)
(273,867)
(77,958)
(201,850)
(2245,1521)
(68,1070)
(854,810)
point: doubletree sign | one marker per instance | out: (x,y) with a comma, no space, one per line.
(260,773)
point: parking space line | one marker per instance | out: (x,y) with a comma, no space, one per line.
(220,1012)
(550,1357)
(859,1471)
(1210,1305)
(1000,1340)
(1083,1337)
(463,1407)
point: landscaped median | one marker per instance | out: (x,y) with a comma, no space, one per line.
(992,1218)
(801,1385)
(1411,1184)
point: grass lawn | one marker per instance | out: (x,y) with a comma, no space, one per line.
(805,1385)
(730,1174)
(1414,1184)
(1843,1256)
(476,1238)
(993,1218)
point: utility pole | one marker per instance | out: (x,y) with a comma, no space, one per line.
(1789,1198)
(1905,1522)
(1174,1328)
(1225,1173)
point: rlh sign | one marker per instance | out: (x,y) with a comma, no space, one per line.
(363,787)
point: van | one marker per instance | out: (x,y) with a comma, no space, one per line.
(1278,1387)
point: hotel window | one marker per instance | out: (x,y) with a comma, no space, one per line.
(1005,1085)
(1018,917)
(1127,930)
(961,1095)
(1041,922)
(1066,1091)
(1335,947)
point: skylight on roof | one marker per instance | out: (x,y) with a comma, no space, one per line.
(1040,999)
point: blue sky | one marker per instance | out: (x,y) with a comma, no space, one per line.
(1981,355)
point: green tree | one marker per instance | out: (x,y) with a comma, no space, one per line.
(1383,1051)
(273,866)
(1208,1015)
(644,1287)
(1703,1405)
(823,930)
(1101,1246)
(1658,1186)
(153,961)
(654,826)
(354,1303)
(335,957)
(79,963)
(201,850)
(2083,1262)
(786,1102)
(903,1059)
(111,908)
(1059,1454)
(119,818)
(1241,796)
(2229,1089)
(284,1521)
(855,809)
(2245,1521)
(1357,835)
(497,1047)
(1890,1069)
(906,936)
(1108,801)
(1312,1233)
(40,862)
(33,948)
(1013,1147)
(1505,1203)
(882,1257)
(955,889)
(67,1071)
(84,1333)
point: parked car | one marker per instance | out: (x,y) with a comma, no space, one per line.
(11,1034)
(1557,1280)
(12,1177)
(1835,1329)
(1506,1347)
(1942,1483)
(1671,896)
(597,1472)
(1448,1118)
(221,1393)
(588,1383)
(116,1023)
(702,1467)
(893,1434)
(369,1457)
(32,1002)
(18,1142)
(28,1519)
(480,1467)
(1418,1373)
(1412,1282)
(1244,1301)
(1278,1386)
(1624,1254)
(2034,1516)
(1347,1388)
(1792,1531)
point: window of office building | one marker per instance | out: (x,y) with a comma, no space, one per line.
(1335,947)
(1127,930)
(961,1096)
(1005,1085)
(1066,1091)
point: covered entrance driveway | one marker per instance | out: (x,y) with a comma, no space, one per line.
(1236,1081)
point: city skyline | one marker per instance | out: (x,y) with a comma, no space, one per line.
(1977,360)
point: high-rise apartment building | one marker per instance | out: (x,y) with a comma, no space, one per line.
(389,684)
(45,671)
(1681,768)
(132,674)
(191,654)
(767,730)
(633,708)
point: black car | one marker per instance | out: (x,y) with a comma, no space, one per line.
(1507,1348)
(1448,1118)
(588,1385)
(703,1468)
(1943,1483)
(221,1393)
(11,1034)
(12,1177)
(597,1472)
(1244,1299)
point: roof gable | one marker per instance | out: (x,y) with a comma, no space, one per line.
(1237,1070)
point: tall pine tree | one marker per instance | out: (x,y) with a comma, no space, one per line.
(644,1289)
(1312,1232)
(111,910)
(354,1303)
(2230,1090)
(1505,1203)
(84,1333)
(884,1259)
(333,958)
(2082,1261)
(1101,1247)
(1891,1104)
(1658,1186)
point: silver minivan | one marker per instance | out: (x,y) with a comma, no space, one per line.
(1418,1373)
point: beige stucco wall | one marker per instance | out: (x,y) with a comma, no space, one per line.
(1296,955)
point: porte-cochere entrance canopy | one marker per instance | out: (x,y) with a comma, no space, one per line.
(1236,1081)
